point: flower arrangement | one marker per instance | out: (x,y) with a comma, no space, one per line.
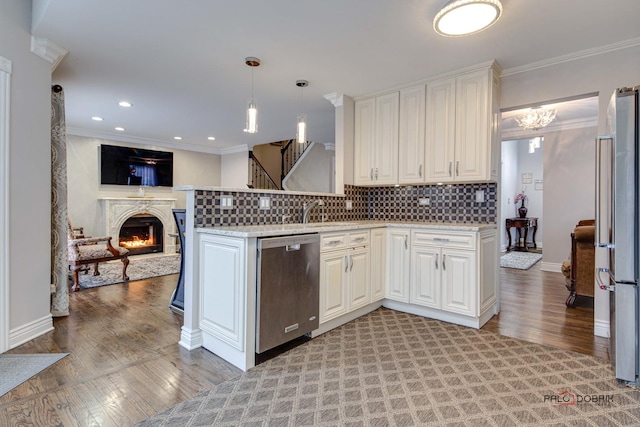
(520,197)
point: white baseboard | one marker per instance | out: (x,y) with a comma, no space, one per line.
(601,328)
(30,331)
(553,267)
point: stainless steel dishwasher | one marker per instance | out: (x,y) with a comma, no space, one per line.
(288,289)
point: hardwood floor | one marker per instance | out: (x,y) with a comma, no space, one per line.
(533,309)
(125,364)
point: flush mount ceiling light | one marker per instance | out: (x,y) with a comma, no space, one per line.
(536,118)
(252,107)
(462,17)
(301,133)
(125,104)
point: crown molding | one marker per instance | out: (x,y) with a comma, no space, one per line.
(49,51)
(334,98)
(625,44)
(87,133)
(519,133)
(235,149)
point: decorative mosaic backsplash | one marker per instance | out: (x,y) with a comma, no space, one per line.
(447,203)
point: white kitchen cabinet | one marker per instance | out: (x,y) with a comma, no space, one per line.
(425,277)
(344,273)
(377,251)
(376,140)
(458,282)
(461,127)
(398,263)
(411,142)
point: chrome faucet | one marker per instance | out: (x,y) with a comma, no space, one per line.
(306,209)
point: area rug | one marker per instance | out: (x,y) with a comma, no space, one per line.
(17,368)
(393,368)
(139,268)
(519,260)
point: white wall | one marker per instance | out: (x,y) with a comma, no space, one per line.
(569,171)
(84,188)
(509,180)
(313,172)
(30,177)
(234,172)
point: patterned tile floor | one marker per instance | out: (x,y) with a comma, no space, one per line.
(396,369)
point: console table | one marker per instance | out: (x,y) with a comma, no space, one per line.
(521,224)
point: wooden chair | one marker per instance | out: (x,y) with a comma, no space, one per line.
(89,250)
(579,269)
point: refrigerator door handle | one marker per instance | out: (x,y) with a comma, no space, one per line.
(604,153)
(599,281)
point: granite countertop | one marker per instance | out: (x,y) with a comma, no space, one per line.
(327,227)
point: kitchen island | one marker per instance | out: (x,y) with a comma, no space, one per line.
(446,271)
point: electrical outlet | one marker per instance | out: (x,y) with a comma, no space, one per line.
(348,205)
(226,202)
(424,201)
(480,196)
(265,202)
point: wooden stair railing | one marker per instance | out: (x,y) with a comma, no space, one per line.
(291,152)
(258,176)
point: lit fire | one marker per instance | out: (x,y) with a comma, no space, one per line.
(136,242)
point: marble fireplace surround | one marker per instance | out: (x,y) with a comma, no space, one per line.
(116,210)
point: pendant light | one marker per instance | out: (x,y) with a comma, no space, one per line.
(252,107)
(301,133)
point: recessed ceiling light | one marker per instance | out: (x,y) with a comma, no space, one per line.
(125,104)
(120,129)
(97,119)
(211,138)
(177,138)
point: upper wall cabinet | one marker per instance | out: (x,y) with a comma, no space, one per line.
(376,140)
(411,167)
(461,130)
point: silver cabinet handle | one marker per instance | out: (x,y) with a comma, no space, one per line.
(440,239)
(333,242)
(405,243)
(359,239)
(457,168)
(351,263)
(444,257)
(371,175)
(420,171)
(346,263)
(436,261)
(376,174)
(450,168)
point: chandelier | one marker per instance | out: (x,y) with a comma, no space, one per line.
(536,118)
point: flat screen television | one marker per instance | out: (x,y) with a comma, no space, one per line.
(135,166)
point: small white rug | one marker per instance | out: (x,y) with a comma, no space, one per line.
(519,260)
(138,269)
(17,368)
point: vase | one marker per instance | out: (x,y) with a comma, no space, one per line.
(522,210)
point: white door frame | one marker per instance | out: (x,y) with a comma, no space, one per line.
(5,85)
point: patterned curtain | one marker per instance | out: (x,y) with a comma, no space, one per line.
(59,261)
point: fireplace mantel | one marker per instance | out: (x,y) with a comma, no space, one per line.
(116,210)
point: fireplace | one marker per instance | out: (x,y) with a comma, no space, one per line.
(142,234)
(116,211)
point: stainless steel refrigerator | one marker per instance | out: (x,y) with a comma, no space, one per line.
(618,229)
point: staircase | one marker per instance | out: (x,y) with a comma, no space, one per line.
(290,153)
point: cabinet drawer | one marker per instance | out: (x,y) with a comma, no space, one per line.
(444,239)
(357,238)
(333,241)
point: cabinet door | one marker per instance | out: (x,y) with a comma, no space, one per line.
(364,140)
(398,263)
(411,135)
(440,128)
(458,282)
(386,137)
(473,123)
(377,252)
(359,290)
(425,276)
(333,289)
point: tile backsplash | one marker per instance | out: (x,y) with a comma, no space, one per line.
(442,203)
